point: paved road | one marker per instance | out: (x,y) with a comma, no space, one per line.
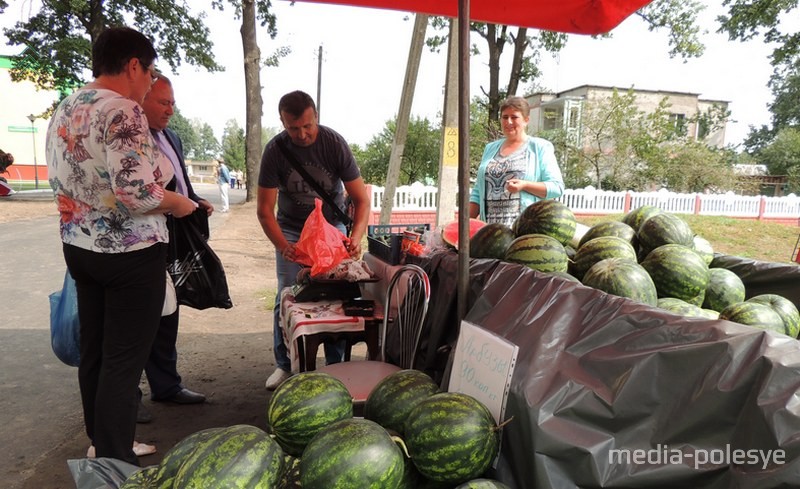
(39,402)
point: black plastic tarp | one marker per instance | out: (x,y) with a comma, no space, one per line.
(608,392)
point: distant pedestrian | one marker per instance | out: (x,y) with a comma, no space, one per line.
(224,180)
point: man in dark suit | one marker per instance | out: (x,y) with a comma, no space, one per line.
(161,369)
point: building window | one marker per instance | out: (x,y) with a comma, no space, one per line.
(678,122)
(574,117)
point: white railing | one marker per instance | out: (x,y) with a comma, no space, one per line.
(418,197)
(414,197)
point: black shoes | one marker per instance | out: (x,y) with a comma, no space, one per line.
(184,396)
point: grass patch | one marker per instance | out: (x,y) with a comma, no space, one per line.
(267,298)
(747,238)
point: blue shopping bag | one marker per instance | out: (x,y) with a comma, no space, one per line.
(64,325)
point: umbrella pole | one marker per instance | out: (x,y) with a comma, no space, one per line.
(463,158)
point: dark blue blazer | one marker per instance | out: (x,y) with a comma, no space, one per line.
(177,145)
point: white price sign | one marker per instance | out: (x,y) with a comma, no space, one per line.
(483,364)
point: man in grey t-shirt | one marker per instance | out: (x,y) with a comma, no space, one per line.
(327,158)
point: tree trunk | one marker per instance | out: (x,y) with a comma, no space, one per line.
(496,43)
(96,21)
(253,101)
(520,45)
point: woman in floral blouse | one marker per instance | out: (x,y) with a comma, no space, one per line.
(109,179)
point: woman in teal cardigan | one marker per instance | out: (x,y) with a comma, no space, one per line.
(515,171)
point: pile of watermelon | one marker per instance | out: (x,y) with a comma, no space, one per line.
(650,256)
(411,436)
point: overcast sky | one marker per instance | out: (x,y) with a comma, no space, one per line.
(364,61)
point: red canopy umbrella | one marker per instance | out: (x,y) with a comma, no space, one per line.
(572,16)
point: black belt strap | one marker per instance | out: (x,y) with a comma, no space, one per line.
(316,186)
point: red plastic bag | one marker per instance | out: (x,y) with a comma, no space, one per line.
(321,246)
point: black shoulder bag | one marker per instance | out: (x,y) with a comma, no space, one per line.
(344,218)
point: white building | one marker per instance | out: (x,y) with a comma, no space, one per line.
(563,110)
(19,135)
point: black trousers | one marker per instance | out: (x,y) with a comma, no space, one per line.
(162,365)
(120,298)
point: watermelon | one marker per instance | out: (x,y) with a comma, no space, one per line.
(291,473)
(175,456)
(483,484)
(539,252)
(637,216)
(622,277)
(697,300)
(142,479)
(609,228)
(724,288)
(677,272)
(395,396)
(785,309)
(355,453)
(450,231)
(305,404)
(598,249)
(240,456)
(548,217)
(664,229)
(683,308)
(703,248)
(754,314)
(451,437)
(491,241)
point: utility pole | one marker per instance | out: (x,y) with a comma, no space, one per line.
(403,113)
(319,81)
(448,158)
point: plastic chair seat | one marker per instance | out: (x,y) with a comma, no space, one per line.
(363,378)
(406,320)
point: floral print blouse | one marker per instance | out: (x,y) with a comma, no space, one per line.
(106,172)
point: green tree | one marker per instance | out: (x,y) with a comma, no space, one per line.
(623,147)
(575,169)
(233,145)
(186,132)
(769,20)
(267,133)
(207,145)
(480,132)
(60,35)
(420,160)
(782,156)
(692,166)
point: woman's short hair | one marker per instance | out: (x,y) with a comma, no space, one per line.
(116,46)
(295,103)
(518,103)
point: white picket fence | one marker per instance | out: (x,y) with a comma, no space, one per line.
(419,197)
